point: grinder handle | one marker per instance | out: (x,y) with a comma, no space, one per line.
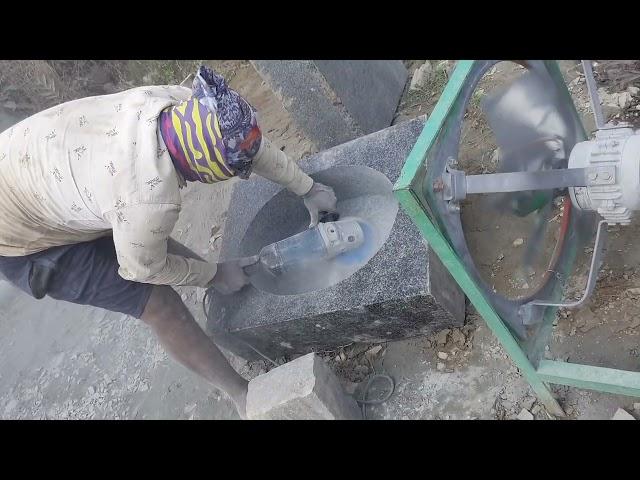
(251,265)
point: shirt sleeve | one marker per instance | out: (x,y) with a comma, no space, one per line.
(273,164)
(140,234)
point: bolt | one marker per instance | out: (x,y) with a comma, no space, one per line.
(593,177)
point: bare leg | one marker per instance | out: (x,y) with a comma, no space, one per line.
(183,338)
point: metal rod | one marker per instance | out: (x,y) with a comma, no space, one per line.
(593,273)
(524,181)
(601,379)
(593,93)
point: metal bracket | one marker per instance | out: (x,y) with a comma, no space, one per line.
(454,184)
(527,310)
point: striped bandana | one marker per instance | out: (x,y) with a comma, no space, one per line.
(192,135)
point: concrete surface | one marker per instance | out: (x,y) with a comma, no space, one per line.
(303,389)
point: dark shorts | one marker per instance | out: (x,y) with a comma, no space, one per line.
(84,273)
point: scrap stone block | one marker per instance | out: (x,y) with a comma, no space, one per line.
(622,414)
(334,101)
(403,291)
(303,389)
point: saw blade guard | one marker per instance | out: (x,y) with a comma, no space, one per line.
(299,260)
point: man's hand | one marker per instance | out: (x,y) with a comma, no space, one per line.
(230,276)
(319,199)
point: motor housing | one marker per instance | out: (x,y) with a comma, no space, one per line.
(617,198)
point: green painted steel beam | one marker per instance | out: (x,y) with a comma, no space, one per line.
(415,160)
(611,380)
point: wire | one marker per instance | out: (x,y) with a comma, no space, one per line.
(364,402)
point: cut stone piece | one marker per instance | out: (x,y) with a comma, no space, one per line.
(334,101)
(303,389)
(525,415)
(622,414)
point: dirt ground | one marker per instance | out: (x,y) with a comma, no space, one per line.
(80,362)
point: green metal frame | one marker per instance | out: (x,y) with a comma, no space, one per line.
(408,190)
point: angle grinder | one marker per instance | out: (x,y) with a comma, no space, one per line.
(327,240)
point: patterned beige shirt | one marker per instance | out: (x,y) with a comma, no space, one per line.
(92,167)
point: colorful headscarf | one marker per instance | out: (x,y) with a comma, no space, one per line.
(194,140)
(238,120)
(214,135)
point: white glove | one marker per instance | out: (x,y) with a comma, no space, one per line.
(230,276)
(319,199)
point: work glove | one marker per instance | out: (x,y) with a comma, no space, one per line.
(230,276)
(320,199)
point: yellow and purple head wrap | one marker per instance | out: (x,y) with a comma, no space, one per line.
(194,140)
(215,142)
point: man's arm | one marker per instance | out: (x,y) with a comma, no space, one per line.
(273,164)
(140,234)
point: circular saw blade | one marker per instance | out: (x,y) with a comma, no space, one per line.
(527,117)
(375,215)
(526,110)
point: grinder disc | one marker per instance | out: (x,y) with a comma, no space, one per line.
(374,213)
